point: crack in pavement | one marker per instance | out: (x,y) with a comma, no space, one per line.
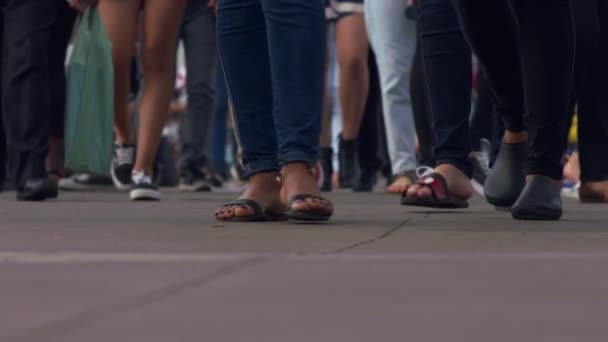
(370,241)
(62,327)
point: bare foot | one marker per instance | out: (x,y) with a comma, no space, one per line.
(594,192)
(459,184)
(399,185)
(572,169)
(298,179)
(265,189)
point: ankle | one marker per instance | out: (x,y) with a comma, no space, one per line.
(450,170)
(515,137)
(270,180)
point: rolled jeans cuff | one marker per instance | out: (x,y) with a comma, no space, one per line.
(298,156)
(259,166)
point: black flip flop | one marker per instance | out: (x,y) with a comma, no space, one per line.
(258,213)
(440,199)
(306,216)
(540,201)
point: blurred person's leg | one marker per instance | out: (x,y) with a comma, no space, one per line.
(198,36)
(161,21)
(352,53)
(219,126)
(60,38)
(393,38)
(592,118)
(3,158)
(481,129)
(27,95)
(277,104)
(481,118)
(420,108)
(369,139)
(121,18)
(326,151)
(539,31)
(447,66)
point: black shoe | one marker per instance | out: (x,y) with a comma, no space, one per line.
(326,158)
(143,188)
(506,178)
(216,180)
(193,181)
(539,200)
(38,190)
(122,166)
(349,163)
(366,182)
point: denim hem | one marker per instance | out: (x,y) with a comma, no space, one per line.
(258,166)
(298,156)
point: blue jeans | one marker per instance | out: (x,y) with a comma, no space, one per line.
(273,55)
(448,73)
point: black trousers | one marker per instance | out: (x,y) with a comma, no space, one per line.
(447,70)
(421,107)
(34,40)
(592,88)
(371,135)
(529,44)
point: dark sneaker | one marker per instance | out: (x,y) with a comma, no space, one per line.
(216,180)
(38,190)
(122,166)
(194,181)
(143,188)
(83,182)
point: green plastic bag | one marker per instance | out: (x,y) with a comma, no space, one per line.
(90,99)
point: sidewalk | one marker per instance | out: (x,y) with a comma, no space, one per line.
(96,267)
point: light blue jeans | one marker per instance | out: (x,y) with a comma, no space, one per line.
(393,39)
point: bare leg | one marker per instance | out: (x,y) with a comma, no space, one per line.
(120,18)
(161,22)
(352,50)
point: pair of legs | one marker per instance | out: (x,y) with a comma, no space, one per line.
(392,36)
(34,39)
(529,34)
(198,35)
(272,53)
(160,19)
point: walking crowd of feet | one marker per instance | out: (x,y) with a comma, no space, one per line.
(293,99)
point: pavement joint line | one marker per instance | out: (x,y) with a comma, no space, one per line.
(83,257)
(59,328)
(20,258)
